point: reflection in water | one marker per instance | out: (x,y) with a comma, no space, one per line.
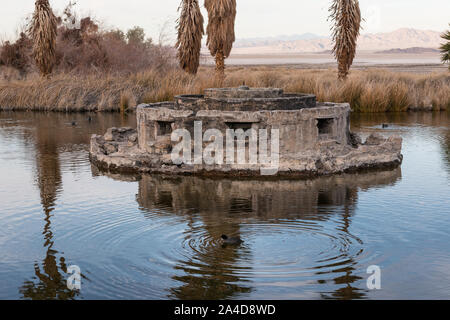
(394,119)
(50,282)
(290,210)
(213,278)
(446,149)
(48,138)
(414,124)
(303,239)
(345,282)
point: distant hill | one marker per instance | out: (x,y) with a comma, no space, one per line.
(416,50)
(268,41)
(398,39)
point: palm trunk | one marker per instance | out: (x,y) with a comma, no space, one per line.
(343,66)
(220,66)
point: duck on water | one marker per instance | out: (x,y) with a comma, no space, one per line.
(231,240)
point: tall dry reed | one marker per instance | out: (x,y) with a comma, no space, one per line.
(367,91)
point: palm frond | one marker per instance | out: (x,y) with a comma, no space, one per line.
(190,33)
(220,30)
(43,31)
(346,16)
(445,48)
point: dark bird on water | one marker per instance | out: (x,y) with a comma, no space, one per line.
(231,241)
(74,123)
(385,126)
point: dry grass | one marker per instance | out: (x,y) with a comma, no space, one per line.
(367,91)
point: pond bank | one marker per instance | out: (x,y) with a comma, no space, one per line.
(373,90)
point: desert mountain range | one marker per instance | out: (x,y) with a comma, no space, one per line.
(309,43)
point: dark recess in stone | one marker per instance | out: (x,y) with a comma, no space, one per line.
(325,126)
(239,125)
(164,127)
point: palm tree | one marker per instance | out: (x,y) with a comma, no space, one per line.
(445,48)
(346,16)
(43,30)
(190,33)
(220,31)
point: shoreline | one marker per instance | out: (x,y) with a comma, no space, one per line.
(372,89)
(421,63)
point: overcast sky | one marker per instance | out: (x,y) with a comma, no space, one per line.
(255,18)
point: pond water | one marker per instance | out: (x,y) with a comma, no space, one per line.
(155,237)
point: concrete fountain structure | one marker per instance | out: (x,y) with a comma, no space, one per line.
(313,138)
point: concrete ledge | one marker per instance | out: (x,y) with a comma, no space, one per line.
(125,157)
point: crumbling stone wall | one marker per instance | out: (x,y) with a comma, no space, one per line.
(303,124)
(314,138)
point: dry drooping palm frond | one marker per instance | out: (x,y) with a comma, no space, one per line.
(190,33)
(346,16)
(445,48)
(43,29)
(220,31)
